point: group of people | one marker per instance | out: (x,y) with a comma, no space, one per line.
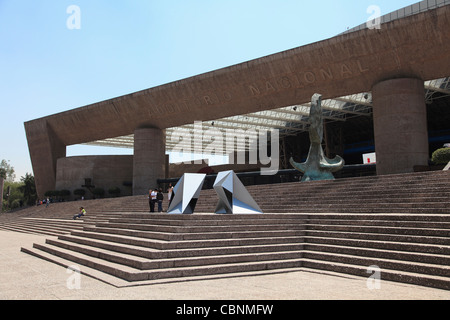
(156,196)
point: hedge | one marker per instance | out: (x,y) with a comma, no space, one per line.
(441,156)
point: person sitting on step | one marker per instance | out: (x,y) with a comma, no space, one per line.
(81,214)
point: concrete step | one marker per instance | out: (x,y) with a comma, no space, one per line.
(432,259)
(380,223)
(400,223)
(381,229)
(382,245)
(132,274)
(168,245)
(149,264)
(151,253)
(193,236)
(198,229)
(385,274)
(377,236)
(216,221)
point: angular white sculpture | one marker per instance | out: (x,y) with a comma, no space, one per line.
(233,196)
(185,194)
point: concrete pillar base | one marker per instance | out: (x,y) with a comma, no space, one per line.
(400,125)
(149,159)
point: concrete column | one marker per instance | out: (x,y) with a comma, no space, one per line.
(149,159)
(45,150)
(400,125)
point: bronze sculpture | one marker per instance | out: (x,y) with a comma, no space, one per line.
(317,165)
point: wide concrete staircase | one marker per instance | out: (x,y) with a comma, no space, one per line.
(399,223)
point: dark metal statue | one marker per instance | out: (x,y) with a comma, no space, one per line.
(317,166)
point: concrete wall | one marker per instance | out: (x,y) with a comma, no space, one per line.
(417,46)
(105,172)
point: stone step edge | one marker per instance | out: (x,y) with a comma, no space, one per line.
(33,231)
(395,264)
(98,245)
(387,237)
(119,283)
(399,277)
(307,248)
(377,243)
(174,236)
(144,264)
(373,253)
(182,253)
(179,245)
(308,265)
(132,274)
(380,229)
(41,226)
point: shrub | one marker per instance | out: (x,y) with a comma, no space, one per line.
(441,156)
(49,193)
(65,193)
(16,204)
(79,192)
(99,192)
(114,191)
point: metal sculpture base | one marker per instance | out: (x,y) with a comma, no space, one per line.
(233,196)
(185,193)
(317,166)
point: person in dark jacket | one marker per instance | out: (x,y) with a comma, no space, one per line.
(160,198)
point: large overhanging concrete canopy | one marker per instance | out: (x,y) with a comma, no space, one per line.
(288,120)
(417,46)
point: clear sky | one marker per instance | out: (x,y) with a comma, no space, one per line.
(124,46)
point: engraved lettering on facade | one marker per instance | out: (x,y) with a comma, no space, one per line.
(361,69)
(310,77)
(269,86)
(285,82)
(207,100)
(326,74)
(346,71)
(254,90)
(227,96)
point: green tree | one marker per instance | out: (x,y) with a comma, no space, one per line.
(7,171)
(11,193)
(28,189)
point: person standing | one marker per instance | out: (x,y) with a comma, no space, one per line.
(150,199)
(170,195)
(160,198)
(153,195)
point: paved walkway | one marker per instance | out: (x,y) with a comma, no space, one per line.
(24,277)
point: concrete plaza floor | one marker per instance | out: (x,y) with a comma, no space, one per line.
(24,277)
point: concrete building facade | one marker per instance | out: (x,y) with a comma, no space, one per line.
(392,62)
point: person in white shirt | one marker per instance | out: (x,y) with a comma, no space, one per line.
(153,200)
